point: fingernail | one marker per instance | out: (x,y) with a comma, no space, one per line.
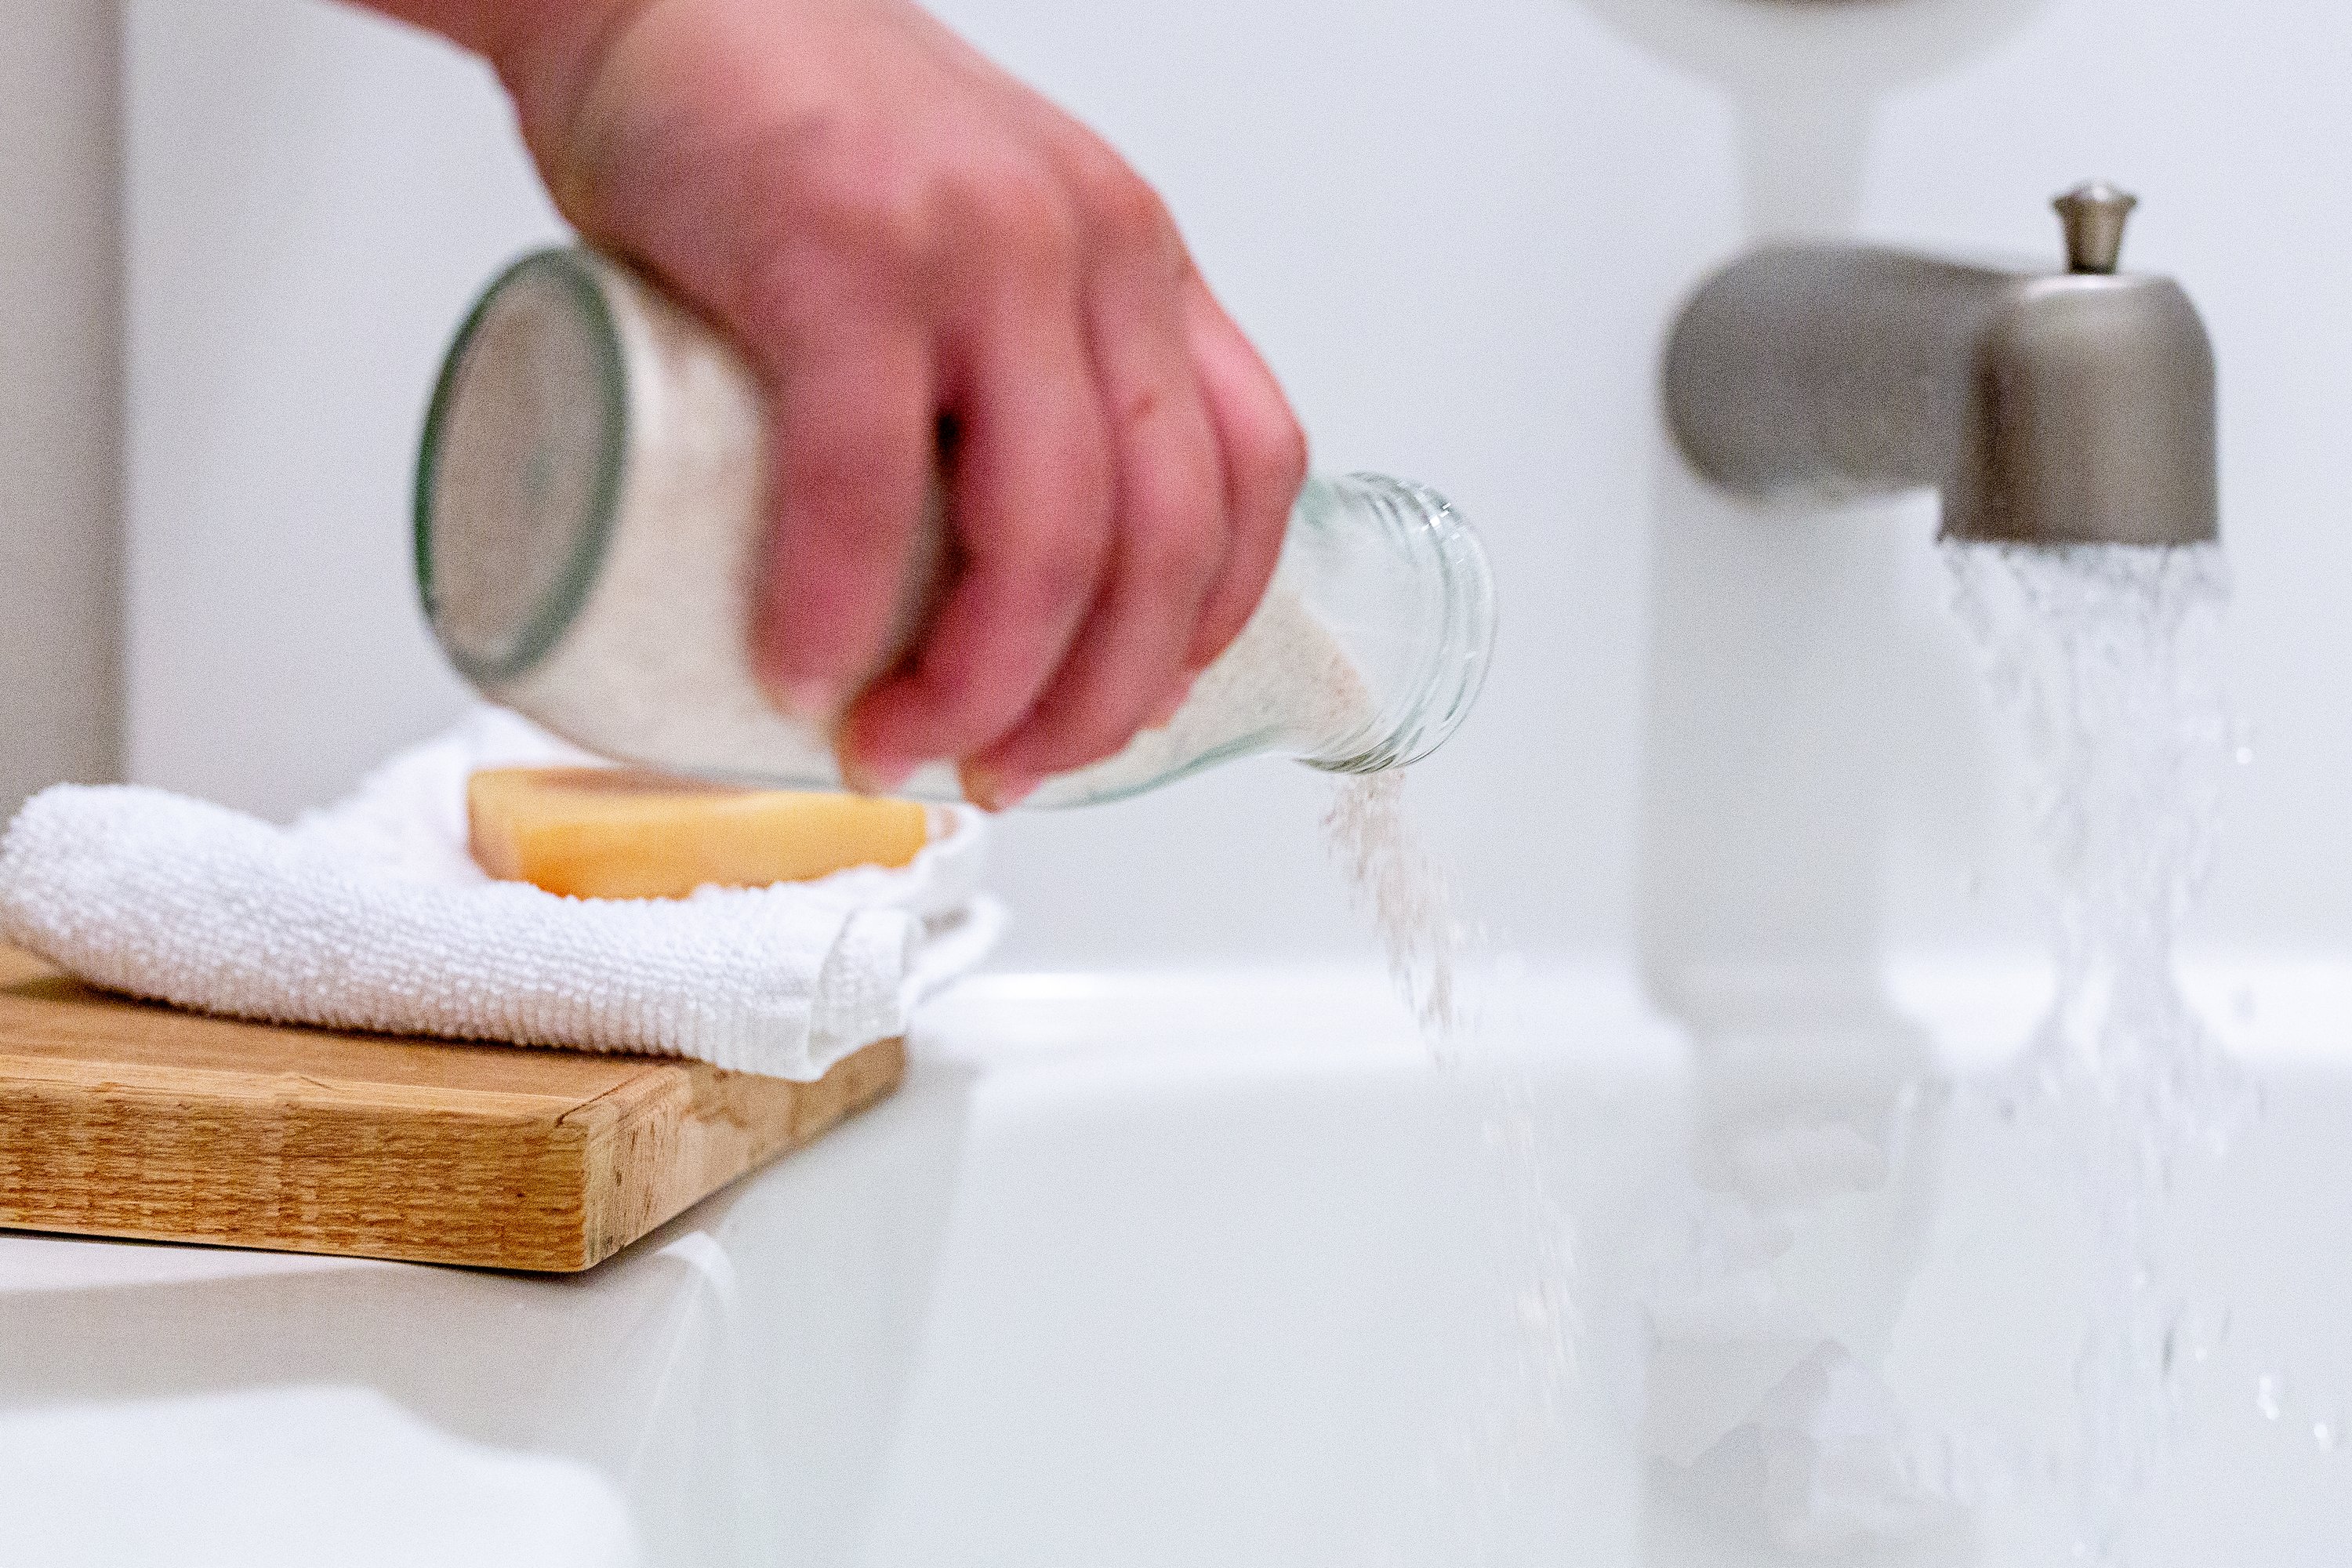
(865,776)
(994,791)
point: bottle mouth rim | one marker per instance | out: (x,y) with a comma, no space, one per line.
(490,660)
(1461,632)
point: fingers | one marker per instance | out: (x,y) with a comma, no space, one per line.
(1264,462)
(850,466)
(1128,664)
(1031,499)
(1124,472)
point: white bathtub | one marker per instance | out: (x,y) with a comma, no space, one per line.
(1221,1271)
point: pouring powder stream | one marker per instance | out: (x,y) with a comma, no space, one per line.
(1413,901)
(1411,897)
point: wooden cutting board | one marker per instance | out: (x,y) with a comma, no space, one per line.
(122,1118)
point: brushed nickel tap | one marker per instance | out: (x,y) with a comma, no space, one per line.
(2050,407)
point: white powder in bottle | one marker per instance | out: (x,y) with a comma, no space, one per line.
(1286,678)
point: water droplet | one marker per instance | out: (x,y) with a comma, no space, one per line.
(2266,1396)
(2246,757)
(2325,1436)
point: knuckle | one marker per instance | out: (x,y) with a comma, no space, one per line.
(1120,206)
(1131,212)
(1021,214)
(839,187)
(872,214)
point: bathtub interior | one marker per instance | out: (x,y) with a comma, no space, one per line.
(1831,1283)
(1214,1268)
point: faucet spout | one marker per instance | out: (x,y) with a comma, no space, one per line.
(2049,407)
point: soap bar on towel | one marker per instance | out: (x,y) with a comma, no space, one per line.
(620,833)
(373,915)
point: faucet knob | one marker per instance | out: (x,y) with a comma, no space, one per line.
(2095,215)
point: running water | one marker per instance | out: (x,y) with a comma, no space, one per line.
(2106,659)
(1413,900)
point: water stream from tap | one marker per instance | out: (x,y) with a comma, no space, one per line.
(2106,662)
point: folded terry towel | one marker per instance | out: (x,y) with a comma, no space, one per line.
(373,915)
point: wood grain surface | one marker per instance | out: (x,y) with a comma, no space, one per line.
(124,1118)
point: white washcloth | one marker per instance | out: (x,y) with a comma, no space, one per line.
(373,915)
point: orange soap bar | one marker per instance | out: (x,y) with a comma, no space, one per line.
(616,833)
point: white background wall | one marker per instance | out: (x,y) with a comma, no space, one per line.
(59,394)
(1457,229)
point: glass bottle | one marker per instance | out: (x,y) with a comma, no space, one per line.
(588,528)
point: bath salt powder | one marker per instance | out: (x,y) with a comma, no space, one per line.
(1286,673)
(1413,900)
(1410,895)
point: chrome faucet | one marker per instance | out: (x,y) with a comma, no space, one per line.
(2049,407)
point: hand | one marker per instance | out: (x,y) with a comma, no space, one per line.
(905,241)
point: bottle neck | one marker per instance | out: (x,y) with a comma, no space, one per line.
(1396,577)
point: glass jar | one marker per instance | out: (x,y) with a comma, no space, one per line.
(589,525)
